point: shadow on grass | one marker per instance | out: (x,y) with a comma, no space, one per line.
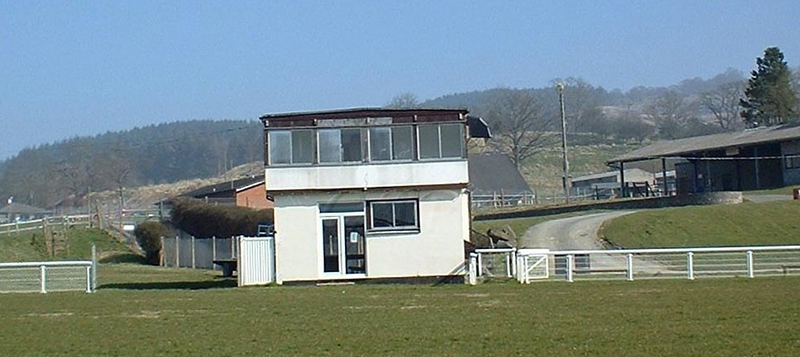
(124,258)
(173,285)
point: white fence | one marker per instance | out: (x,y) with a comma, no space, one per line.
(196,253)
(256,261)
(630,264)
(45,277)
(44,223)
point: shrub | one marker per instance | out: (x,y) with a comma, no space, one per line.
(205,220)
(148,235)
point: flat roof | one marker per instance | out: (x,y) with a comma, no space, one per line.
(686,146)
(363,112)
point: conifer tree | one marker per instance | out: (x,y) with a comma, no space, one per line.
(769,98)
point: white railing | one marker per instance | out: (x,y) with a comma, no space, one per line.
(48,276)
(36,224)
(630,264)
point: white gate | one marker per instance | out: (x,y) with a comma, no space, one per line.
(256,261)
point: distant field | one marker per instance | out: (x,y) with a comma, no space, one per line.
(772,223)
(154,311)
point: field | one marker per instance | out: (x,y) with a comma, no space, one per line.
(773,223)
(154,311)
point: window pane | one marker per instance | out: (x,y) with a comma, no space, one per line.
(452,140)
(402,143)
(280,144)
(429,141)
(330,146)
(381,215)
(351,145)
(380,144)
(405,214)
(302,146)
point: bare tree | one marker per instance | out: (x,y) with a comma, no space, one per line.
(723,103)
(518,126)
(580,103)
(671,113)
(404,101)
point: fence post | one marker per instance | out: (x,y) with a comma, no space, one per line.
(480,264)
(162,260)
(472,268)
(233,248)
(570,259)
(88,279)
(690,265)
(514,261)
(630,267)
(43,277)
(94,267)
(750,271)
(213,252)
(177,252)
(508,265)
(193,251)
(16,226)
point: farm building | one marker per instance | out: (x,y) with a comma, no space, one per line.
(368,193)
(759,158)
(495,181)
(14,211)
(638,182)
(246,192)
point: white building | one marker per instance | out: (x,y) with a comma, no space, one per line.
(368,193)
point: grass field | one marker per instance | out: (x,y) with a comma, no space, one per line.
(773,223)
(154,311)
(31,246)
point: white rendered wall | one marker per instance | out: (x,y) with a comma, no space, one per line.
(293,178)
(438,249)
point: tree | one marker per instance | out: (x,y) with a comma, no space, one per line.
(723,103)
(581,103)
(404,101)
(632,128)
(769,98)
(671,112)
(518,126)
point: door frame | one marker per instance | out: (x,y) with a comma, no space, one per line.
(342,273)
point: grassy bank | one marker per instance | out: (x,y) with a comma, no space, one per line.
(154,311)
(772,223)
(33,246)
(520,225)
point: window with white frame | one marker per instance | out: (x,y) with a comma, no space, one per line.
(393,215)
(792,161)
(291,147)
(441,141)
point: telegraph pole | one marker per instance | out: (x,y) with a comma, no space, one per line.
(566,179)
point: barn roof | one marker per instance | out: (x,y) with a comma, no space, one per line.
(696,144)
(227,186)
(495,173)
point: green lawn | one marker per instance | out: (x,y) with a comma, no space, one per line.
(31,246)
(773,223)
(154,311)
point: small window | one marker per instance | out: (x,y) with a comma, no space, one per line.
(441,141)
(302,146)
(402,143)
(380,144)
(351,145)
(429,142)
(340,145)
(394,215)
(452,140)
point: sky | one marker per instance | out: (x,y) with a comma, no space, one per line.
(74,68)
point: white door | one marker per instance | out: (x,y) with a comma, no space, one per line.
(344,250)
(255,261)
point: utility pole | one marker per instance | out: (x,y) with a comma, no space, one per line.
(566,179)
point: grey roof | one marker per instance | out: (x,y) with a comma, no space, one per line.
(364,110)
(21,208)
(227,186)
(628,173)
(711,142)
(495,173)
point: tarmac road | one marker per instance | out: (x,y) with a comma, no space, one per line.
(569,233)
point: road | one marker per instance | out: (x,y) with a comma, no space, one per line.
(569,233)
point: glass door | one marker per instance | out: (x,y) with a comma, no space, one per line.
(343,245)
(330,245)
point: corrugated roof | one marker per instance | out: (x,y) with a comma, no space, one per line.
(711,142)
(495,173)
(628,174)
(364,110)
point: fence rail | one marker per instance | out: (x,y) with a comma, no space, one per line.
(50,276)
(630,264)
(42,223)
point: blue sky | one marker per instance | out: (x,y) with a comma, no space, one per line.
(86,67)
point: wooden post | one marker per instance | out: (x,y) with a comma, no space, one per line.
(622,179)
(193,251)
(213,252)
(177,252)
(664,176)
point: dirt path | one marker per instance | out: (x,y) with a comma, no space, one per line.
(569,233)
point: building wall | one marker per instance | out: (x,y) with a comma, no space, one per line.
(436,250)
(253,197)
(791,174)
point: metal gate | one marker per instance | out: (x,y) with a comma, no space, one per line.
(256,261)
